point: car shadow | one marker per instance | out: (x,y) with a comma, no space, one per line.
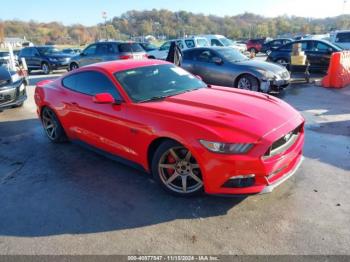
(52,189)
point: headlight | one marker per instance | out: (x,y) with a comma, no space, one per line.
(267,75)
(22,87)
(226,148)
(53,59)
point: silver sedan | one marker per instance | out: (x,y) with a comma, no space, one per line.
(228,67)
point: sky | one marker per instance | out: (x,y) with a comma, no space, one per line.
(89,12)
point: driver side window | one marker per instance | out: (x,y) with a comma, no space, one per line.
(91,83)
(205,56)
(165,46)
(90,50)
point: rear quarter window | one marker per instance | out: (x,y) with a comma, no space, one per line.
(130,48)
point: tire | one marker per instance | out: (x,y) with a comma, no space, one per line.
(248,82)
(282,62)
(251,50)
(45,68)
(176,170)
(19,105)
(73,66)
(52,126)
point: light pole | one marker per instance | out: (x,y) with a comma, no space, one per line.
(344,6)
(104,16)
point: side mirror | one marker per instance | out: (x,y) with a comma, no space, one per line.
(82,54)
(217,60)
(103,98)
(329,50)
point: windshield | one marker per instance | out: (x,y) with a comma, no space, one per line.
(48,50)
(225,41)
(232,55)
(155,82)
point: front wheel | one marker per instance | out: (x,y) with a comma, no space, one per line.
(282,62)
(176,170)
(248,82)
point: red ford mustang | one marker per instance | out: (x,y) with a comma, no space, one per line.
(190,136)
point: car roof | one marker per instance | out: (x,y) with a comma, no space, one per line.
(122,65)
(215,48)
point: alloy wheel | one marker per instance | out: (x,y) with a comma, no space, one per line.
(179,171)
(282,62)
(244,83)
(45,68)
(49,124)
(74,66)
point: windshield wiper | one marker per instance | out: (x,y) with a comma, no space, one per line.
(153,98)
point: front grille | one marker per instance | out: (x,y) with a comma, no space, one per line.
(6,98)
(284,143)
(284,75)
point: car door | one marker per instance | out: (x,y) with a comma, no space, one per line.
(104,126)
(211,72)
(105,52)
(162,52)
(36,58)
(319,55)
(88,56)
(27,54)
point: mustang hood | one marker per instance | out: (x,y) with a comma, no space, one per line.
(226,110)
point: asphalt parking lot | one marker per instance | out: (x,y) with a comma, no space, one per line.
(63,199)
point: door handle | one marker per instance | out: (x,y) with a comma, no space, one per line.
(74,103)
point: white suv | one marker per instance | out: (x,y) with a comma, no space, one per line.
(185,43)
(220,40)
(341,38)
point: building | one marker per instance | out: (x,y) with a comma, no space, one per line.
(13,41)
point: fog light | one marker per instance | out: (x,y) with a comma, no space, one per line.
(240,181)
(21,88)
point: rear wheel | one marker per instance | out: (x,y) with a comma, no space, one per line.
(73,66)
(52,126)
(176,170)
(248,82)
(45,68)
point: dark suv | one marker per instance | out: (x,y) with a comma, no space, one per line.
(107,51)
(45,58)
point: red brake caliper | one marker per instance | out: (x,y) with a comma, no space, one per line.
(171,160)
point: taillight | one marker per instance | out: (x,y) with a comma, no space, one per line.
(123,57)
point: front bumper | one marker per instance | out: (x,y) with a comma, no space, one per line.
(274,85)
(12,96)
(269,173)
